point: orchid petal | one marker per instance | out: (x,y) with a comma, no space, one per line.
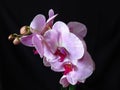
(38,22)
(48,53)
(78,29)
(84,45)
(85,67)
(45,62)
(51,37)
(61,28)
(38,44)
(51,13)
(50,20)
(57,66)
(27,40)
(64,81)
(74,46)
(71,77)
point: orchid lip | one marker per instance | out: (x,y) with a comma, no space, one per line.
(62,53)
(68,68)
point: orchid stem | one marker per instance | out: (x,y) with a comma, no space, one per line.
(72,87)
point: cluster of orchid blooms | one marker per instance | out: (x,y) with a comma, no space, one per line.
(61,46)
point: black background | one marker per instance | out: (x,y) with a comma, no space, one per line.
(20,69)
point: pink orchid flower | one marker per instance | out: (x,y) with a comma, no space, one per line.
(65,52)
(74,74)
(38,27)
(62,46)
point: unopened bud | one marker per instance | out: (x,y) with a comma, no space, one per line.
(25,30)
(16,41)
(11,37)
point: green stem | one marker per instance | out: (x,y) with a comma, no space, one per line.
(72,87)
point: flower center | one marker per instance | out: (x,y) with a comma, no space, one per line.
(68,68)
(62,53)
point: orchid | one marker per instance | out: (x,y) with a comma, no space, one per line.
(78,73)
(67,53)
(38,27)
(62,47)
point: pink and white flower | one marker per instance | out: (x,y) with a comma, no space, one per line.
(67,53)
(74,74)
(62,46)
(38,27)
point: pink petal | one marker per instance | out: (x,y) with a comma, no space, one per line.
(50,20)
(84,45)
(51,37)
(48,53)
(45,62)
(57,66)
(51,13)
(74,46)
(48,24)
(38,44)
(61,28)
(38,22)
(85,67)
(64,81)
(78,29)
(27,40)
(71,77)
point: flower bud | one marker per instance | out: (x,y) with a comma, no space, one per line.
(16,41)
(11,37)
(25,30)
